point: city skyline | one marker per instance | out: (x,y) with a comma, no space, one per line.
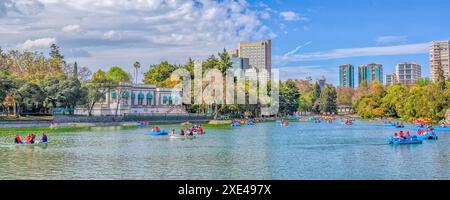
(305,42)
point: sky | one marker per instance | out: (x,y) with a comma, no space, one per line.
(309,37)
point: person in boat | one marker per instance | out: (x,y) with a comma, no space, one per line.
(200,129)
(182,132)
(18,140)
(44,138)
(408,134)
(402,135)
(28,141)
(157,129)
(32,138)
(396,136)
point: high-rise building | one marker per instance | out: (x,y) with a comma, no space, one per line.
(390,79)
(258,53)
(347,76)
(439,57)
(408,73)
(240,63)
(370,72)
(322,81)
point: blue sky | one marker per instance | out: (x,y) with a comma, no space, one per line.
(346,24)
(310,37)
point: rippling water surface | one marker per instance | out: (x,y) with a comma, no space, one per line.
(264,151)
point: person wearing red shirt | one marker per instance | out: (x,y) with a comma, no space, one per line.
(18,140)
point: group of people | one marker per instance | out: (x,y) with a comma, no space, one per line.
(398,124)
(156,129)
(424,132)
(31,139)
(196,129)
(402,135)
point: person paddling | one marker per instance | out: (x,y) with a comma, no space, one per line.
(28,141)
(33,137)
(44,138)
(18,140)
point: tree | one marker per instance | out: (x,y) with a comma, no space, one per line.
(422,82)
(224,63)
(97,88)
(441,77)
(29,97)
(75,70)
(316,98)
(6,87)
(159,73)
(393,102)
(115,76)
(289,98)
(136,65)
(328,100)
(344,96)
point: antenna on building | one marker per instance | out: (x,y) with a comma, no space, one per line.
(136,65)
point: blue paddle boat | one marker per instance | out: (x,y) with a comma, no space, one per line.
(428,136)
(236,124)
(442,129)
(157,133)
(400,141)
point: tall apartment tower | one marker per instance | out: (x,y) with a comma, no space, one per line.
(370,72)
(347,76)
(258,53)
(439,57)
(408,73)
(390,79)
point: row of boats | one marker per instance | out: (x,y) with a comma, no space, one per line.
(186,133)
(423,133)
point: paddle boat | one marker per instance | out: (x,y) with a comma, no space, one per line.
(182,136)
(235,124)
(157,133)
(399,126)
(428,136)
(250,123)
(142,124)
(31,144)
(408,140)
(442,129)
(389,124)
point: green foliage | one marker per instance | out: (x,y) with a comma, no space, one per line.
(423,100)
(159,73)
(422,82)
(117,75)
(289,98)
(328,100)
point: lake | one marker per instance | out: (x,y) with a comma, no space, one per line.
(264,151)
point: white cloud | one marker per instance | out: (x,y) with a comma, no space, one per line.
(75,28)
(391,39)
(292,16)
(297,49)
(409,49)
(38,43)
(169,29)
(112,35)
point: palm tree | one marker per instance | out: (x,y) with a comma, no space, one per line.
(136,65)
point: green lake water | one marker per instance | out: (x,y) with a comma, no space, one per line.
(263,151)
